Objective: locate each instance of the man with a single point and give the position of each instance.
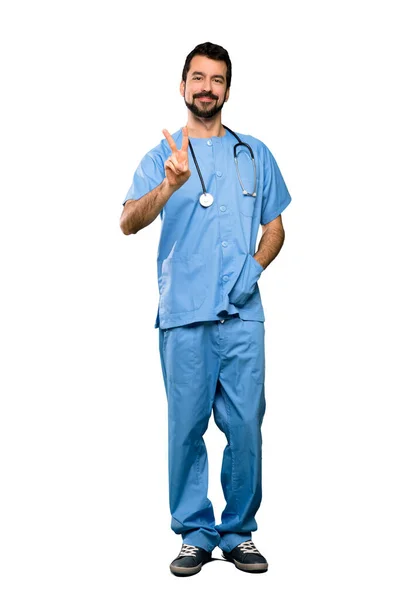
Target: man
(212, 192)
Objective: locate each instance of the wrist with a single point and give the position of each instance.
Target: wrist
(168, 188)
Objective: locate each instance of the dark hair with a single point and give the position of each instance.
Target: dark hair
(211, 51)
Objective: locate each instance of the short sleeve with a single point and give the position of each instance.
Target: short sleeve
(275, 193)
(148, 176)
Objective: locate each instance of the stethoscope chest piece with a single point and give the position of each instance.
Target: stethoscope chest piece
(206, 199)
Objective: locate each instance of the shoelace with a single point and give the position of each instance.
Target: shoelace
(187, 550)
(248, 548)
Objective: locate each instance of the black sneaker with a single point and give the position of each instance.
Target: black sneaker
(189, 560)
(246, 557)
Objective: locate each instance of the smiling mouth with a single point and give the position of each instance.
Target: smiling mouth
(205, 99)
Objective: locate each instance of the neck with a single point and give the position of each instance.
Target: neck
(205, 128)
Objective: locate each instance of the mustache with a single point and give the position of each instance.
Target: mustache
(205, 95)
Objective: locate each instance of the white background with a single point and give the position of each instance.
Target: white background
(87, 88)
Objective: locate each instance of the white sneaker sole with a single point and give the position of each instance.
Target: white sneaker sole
(253, 568)
(185, 570)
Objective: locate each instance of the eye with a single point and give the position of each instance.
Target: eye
(196, 77)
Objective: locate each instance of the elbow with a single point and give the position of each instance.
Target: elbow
(127, 221)
(124, 227)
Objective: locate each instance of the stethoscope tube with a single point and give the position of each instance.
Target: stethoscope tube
(240, 143)
(198, 168)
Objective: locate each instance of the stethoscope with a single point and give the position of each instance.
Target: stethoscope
(207, 199)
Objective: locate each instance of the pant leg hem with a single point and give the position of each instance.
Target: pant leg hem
(229, 541)
(197, 538)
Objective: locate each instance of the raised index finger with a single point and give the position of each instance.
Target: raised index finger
(185, 138)
(170, 140)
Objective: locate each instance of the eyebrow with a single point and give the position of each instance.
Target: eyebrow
(200, 73)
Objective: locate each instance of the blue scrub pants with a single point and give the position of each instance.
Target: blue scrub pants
(214, 366)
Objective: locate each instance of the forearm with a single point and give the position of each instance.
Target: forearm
(137, 214)
(270, 245)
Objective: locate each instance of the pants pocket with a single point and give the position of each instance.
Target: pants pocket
(179, 355)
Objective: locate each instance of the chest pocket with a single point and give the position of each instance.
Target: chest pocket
(246, 171)
(183, 283)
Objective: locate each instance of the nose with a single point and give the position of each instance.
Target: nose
(207, 83)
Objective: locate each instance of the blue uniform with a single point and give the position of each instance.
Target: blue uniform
(211, 328)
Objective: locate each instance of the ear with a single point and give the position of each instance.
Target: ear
(182, 88)
(227, 94)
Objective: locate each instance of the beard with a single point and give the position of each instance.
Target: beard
(203, 113)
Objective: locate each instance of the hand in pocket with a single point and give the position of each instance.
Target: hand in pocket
(245, 284)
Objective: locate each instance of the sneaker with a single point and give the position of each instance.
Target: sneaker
(189, 560)
(246, 557)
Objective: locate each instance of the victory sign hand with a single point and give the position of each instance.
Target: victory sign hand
(177, 165)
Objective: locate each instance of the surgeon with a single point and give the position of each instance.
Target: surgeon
(212, 188)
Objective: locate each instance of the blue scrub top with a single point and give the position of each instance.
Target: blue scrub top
(205, 264)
